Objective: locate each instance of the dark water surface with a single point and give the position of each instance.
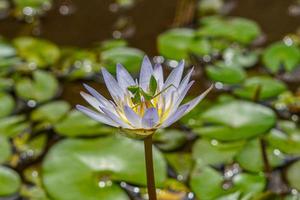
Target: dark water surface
(93, 21)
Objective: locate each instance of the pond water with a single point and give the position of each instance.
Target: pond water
(214, 137)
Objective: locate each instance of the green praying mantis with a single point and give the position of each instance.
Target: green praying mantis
(140, 96)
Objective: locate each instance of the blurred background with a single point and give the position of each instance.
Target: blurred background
(241, 143)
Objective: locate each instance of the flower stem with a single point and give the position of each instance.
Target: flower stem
(149, 168)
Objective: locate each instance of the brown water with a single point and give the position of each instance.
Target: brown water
(92, 21)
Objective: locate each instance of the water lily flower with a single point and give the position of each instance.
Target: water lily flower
(143, 105)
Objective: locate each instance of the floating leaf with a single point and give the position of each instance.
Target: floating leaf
(266, 86)
(170, 139)
(293, 175)
(7, 104)
(51, 112)
(213, 152)
(77, 63)
(131, 58)
(287, 139)
(235, 120)
(224, 73)
(111, 44)
(240, 57)
(36, 52)
(235, 29)
(11, 126)
(93, 161)
(280, 56)
(6, 50)
(206, 183)
(182, 164)
(5, 149)
(175, 43)
(43, 87)
(250, 158)
(78, 124)
(10, 181)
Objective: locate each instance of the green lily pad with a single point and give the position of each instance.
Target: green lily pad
(111, 44)
(287, 139)
(33, 193)
(175, 43)
(51, 112)
(43, 87)
(235, 29)
(6, 84)
(6, 50)
(224, 73)
(12, 126)
(236, 120)
(206, 183)
(78, 124)
(280, 56)
(213, 152)
(202, 47)
(293, 175)
(250, 157)
(93, 161)
(240, 57)
(31, 147)
(131, 58)
(5, 149)
(7, 104)
(182, 163)
(36, 52)
(169, 140)
(77, 63)
(10, 181)
(210, 6)
(268, 87)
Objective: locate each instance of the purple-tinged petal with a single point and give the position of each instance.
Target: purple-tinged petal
(99, 97)
(92, 101)
(124, 78)
(197, 100)
(175, 76)
(115, 118)
(97, 116)
(158, 75)
(146, 73)
(112, 85)
(174, 117)
(150, 118)
(185, 80)
(132, 117)
(180, 97)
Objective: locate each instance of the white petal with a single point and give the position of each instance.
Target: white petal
(197, 100)
(132, 117)
(124, 78)
(97, 116)
(175, 76)
(150, 118)
(115, 118)
(112, 85)
(146, 73)
(180, 97)
(176, 116)
(92, 101)
(99, 97)
(158, 74)
(185, 81)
